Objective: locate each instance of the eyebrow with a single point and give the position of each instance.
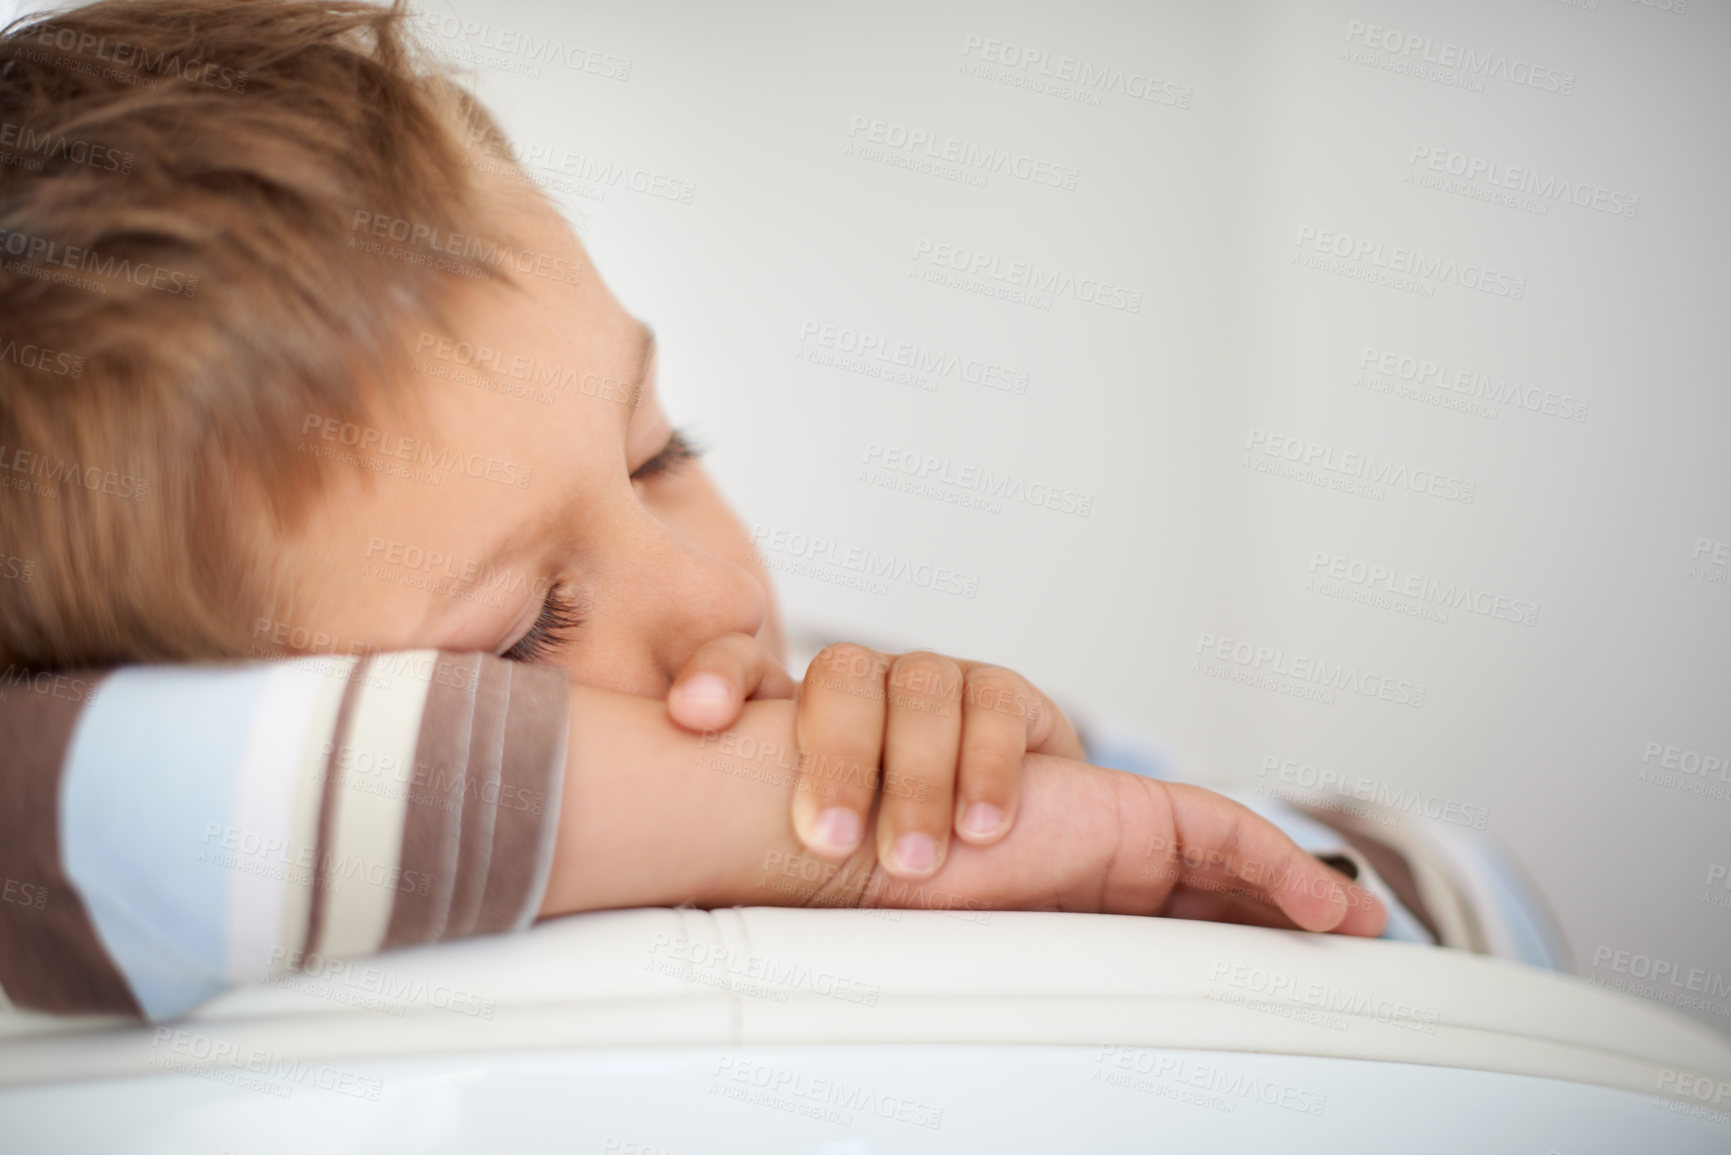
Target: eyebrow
(513, 545)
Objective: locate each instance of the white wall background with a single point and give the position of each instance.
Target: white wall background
(1152, 415)
(1269, 120)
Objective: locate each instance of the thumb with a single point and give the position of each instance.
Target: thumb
(718, 678)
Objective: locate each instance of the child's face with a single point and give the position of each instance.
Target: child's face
(401, 552)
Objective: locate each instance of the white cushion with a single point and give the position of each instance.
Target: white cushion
(780, 976)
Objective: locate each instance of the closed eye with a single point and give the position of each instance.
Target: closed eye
(676, 452)
(559, 619)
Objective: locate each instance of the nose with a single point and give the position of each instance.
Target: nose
(673, 595)
(706, 596)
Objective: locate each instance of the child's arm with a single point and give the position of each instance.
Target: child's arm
(168, 832)
(657, 816)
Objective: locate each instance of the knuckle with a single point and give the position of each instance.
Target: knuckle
(912, 787)
(990, 765)
(996, 676)
(849, 659)
(838, 774)
(836, 749)
(847, 668)
(926, 675)
(1001, 691)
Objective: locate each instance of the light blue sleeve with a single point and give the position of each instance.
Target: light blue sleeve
(152, 769)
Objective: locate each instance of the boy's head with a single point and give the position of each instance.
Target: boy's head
(292, 357)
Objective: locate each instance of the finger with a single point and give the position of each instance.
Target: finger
(1213, 905)
(921, 741)
(1366, 914)
(718, 679)
(1047, 728)
(840, 726)
(1216, 836)
(995, 734)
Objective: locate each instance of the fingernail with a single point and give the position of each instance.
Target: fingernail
(982, 819)
(838, 829)
(914, 853)
(704, 688)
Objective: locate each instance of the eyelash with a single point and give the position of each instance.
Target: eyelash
(559, 618)
(678, 450)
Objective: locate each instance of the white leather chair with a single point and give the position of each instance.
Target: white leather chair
(754, 1030)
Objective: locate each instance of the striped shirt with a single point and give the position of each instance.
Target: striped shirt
(167, 832)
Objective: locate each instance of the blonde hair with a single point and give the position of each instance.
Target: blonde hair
(180, 285)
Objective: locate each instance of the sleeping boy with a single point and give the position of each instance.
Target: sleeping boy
(380, 418)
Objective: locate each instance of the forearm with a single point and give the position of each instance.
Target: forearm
(655, 816)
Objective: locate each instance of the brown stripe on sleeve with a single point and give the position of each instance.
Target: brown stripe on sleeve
(432, 817)
(327, 803)
(50, 956)
(479, 796)
(531, 776)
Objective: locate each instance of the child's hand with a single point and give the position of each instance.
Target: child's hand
(1105, 841)
(949, 735)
